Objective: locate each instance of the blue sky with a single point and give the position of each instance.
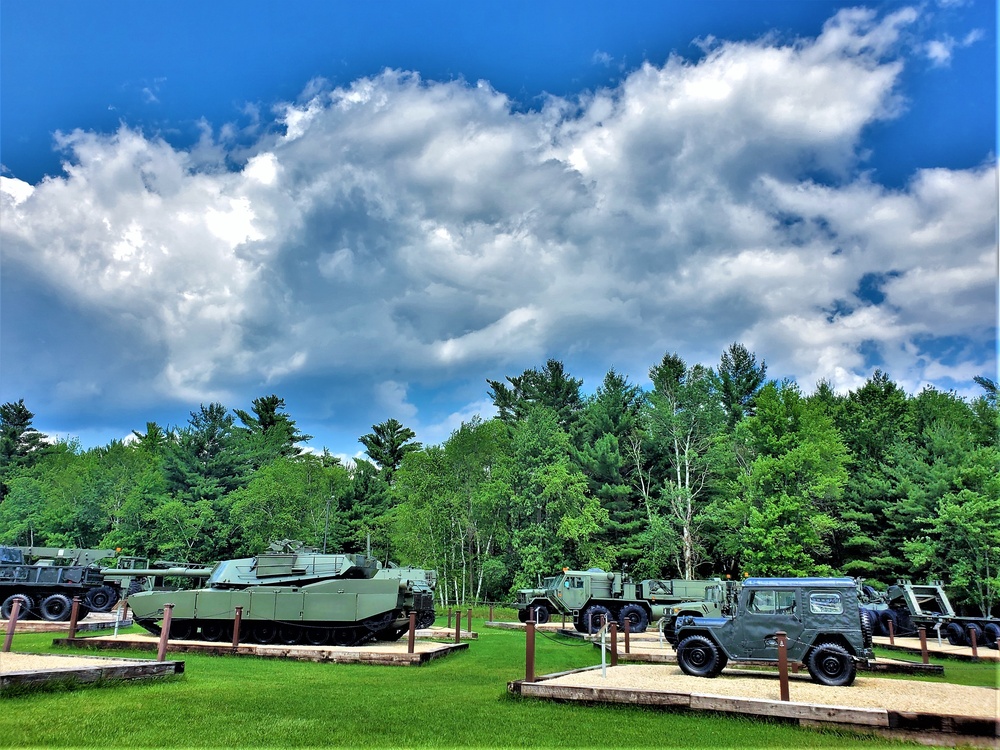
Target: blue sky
(371, 208)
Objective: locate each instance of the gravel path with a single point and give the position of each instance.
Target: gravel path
(866, 692)
(11, 662)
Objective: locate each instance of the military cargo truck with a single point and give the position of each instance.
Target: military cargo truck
(592, 596)
(820, 617)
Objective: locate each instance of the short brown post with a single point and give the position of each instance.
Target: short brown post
(168, 613)
(614, 644)
(469, 620)
(628, 622)
(15, 610)
(529, 651)
(564, 621)
(236, 625)
(449, 617)
(124, 610)
(74, 615)
(972, 640)
(458, 626)
(412, 638)
(923, 645)
(892, 633)
(491, 613)
(782, 664)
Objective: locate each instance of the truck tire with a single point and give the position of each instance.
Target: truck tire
(956, 635)
(636, 617)
(542, 614)
(887, 616)
(698, 656)
(523, 615)
(56, 608)
(876, 623)
(25, 610)
(591, 617)
(101, 599)
(991, 634)
(972, 627)
(831, 664)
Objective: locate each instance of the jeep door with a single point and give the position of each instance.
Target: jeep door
(765, 612)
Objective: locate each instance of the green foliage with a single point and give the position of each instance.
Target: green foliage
(707, 473)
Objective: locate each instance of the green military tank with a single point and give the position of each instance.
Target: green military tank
(296, 594)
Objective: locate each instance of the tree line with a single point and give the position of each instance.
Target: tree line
(713, 471)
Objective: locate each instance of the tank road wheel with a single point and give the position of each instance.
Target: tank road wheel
(101, 599)
(542, 614)
(425, 618)
(216, 630)
(181, 630)
(289, 634)
(316, 636)
(698, 656)
(25, 610)
(956, 636)
(637, 618)
(56, 607)
(830, 664)
(344, 637)
(263, 632)
(591, 617)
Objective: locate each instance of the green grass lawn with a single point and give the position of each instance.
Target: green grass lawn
(456, 701)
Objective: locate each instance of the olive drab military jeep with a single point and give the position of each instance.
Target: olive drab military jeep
(820, 617)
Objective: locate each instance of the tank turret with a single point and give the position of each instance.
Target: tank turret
(293, 593)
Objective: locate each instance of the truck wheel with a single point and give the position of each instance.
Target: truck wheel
(101, 599)
(972, 627)
(636, 616)
(698, 656)
(955, 634)
(23, 612)
(991, 634)
(885, 617)
(542, 614)
(523, 615)
(591, 617)
(830, 664)
(56, 607)
(876, 623)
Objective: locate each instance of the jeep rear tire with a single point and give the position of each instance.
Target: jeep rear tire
(698, 656)
(831, 664)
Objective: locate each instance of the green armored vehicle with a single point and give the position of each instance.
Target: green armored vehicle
(589, 596)
(46, 579)
(292, 594)
(820, 616)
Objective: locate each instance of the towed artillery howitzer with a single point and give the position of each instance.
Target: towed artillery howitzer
(293, 593)
(907, 606)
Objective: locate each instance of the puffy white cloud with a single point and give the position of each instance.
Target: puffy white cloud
(407, 231)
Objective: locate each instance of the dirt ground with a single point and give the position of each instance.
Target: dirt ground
(866, 692)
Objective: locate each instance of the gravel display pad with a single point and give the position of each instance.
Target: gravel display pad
(11, 662)
(867, 692)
